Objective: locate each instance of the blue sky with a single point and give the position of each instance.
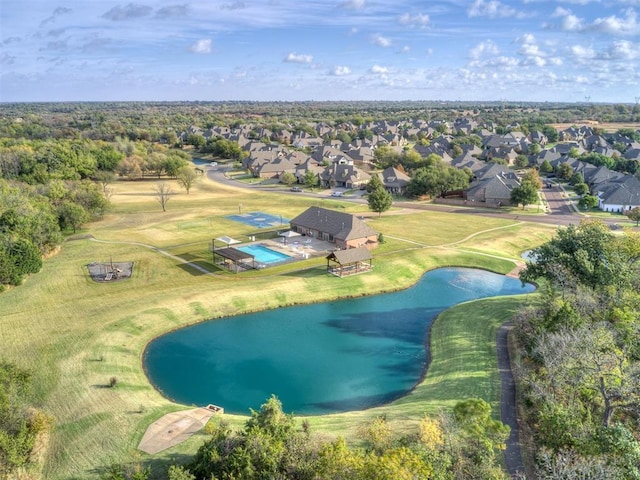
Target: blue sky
(290, 50)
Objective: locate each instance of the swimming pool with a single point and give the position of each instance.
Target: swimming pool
(264, 254)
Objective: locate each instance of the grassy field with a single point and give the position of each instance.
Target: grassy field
(75, 334)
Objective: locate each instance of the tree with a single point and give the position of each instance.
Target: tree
(288, 179)
(533, 178)
(71, 215)
(574, 152)
(634, 215)
(576, 178)
(534, 149)
(524, 195)
(19, 423)
(521, 161)
(163, 195)
(588, 358)
(588, 201)
(581, 188)
(105, 178)
(310, 179)
(379, 201)
(564, 171)
(436, 179)
(18, 257)
(546, 167)
(374, 184)
(588, 253)
(187, 177)
(482, 437)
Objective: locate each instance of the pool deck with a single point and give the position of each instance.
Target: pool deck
(299, 247)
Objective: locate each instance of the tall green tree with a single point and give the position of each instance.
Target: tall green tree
(379, 201)
(525, 194)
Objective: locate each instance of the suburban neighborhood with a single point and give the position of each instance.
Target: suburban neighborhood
(492, 161)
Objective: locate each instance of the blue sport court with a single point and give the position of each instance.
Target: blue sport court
(259, 219)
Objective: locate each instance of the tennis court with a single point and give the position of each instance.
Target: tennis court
(259, 219)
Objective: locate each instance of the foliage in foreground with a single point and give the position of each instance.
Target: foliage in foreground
(581, 355)
(19, 424)
(272, 445)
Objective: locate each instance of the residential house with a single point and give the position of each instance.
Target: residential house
(492, 189)
(394, 181)
(342, 229)
(619, 195)
(344, 175)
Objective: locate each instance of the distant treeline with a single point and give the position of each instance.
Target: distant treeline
(163, 121)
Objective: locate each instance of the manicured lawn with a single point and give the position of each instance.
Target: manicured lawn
(75, 334)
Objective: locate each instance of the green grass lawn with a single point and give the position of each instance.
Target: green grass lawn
(74, 334)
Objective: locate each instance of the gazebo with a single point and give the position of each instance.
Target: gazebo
(234, 259)
(230, 257)
(350, 261)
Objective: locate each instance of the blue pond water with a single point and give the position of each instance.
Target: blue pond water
(319, 358)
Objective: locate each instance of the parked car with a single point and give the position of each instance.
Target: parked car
(296, 189)
(336, 194)
(214, 164)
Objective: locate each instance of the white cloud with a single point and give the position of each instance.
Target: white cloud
(201, 46)
(405, 49)
(501, 62)
(378, 70)
(298, 58)
(491, 9)
(6, 59)
(418, 20)
(622, 50)
(582, 53)
(354, 4)
(526, 38)
(484, 48)
(233, 6)
(127, 12)
(611, 25)
(616, 25)
(172, 11)
(569, 22)
(379, 40)
(340, 71)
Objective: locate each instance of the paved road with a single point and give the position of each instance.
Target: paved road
(561, 212)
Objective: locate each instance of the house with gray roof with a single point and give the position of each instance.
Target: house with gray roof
(492, 189)
(342, 229)
(394, 181)
(344, 175)
(619, 195)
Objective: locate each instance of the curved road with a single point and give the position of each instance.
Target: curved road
(561, 211)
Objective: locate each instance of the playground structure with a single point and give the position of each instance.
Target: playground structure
(110, 271)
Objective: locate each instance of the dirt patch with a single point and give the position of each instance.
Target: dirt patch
(110, 271)
(174, 428)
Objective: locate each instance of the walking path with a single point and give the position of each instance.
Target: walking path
(508, 411)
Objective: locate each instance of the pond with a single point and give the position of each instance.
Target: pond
(319, 358)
